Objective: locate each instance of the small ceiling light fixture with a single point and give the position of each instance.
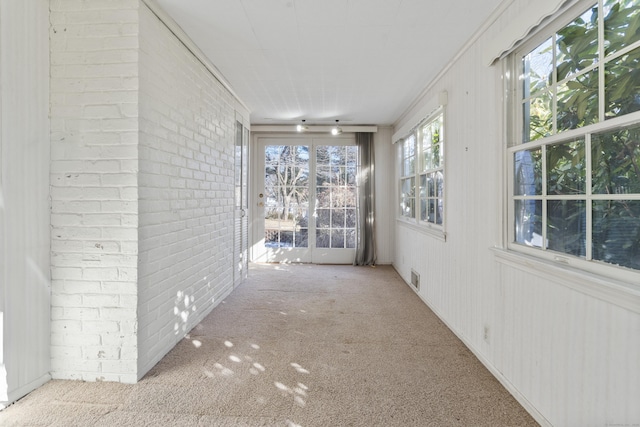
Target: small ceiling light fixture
(337, 130)
(302, 127)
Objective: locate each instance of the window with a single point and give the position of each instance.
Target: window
(408, 179)
(422, 173)
(575, 146)
(432, 172)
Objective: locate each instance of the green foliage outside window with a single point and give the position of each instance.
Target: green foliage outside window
(574, 74)
(570, 81)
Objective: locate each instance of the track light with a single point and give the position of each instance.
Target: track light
(302, 127)
(337, 130)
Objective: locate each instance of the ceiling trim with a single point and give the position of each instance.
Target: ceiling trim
(177, 31)
(311, 128)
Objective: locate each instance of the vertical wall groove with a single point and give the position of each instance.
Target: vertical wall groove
(24, 190)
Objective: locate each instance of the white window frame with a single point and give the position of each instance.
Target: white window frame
(420, 169)
(626, 279)
(408, 154)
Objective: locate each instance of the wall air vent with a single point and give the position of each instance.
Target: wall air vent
(415, 279)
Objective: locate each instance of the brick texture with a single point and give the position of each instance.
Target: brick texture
(94, 163)
(186, 197)
(142, 147)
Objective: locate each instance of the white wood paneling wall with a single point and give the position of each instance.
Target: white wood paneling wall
(385, 190)
(570, 358)
(24, 198)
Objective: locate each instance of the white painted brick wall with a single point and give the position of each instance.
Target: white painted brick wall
(94, 163)
(142, 144)
(187, 122)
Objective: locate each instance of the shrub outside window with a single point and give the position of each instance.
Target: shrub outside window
(575, 187)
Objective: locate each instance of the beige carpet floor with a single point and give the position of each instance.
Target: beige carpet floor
(297, 345)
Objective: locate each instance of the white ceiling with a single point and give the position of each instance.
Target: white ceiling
(359, 61)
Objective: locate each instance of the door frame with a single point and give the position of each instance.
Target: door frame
(258, 253)
(241, 198)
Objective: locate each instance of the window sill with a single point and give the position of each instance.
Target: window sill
(620, 293)
(427, 230)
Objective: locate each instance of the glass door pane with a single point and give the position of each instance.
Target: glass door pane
(286, 213)
(336, 196)
(306, 200)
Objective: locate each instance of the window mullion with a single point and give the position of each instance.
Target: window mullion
(544, 198)
(589, 207)
(601, 65)
(418, 169)
(622, 52)
(554, 87)
(313, 190)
